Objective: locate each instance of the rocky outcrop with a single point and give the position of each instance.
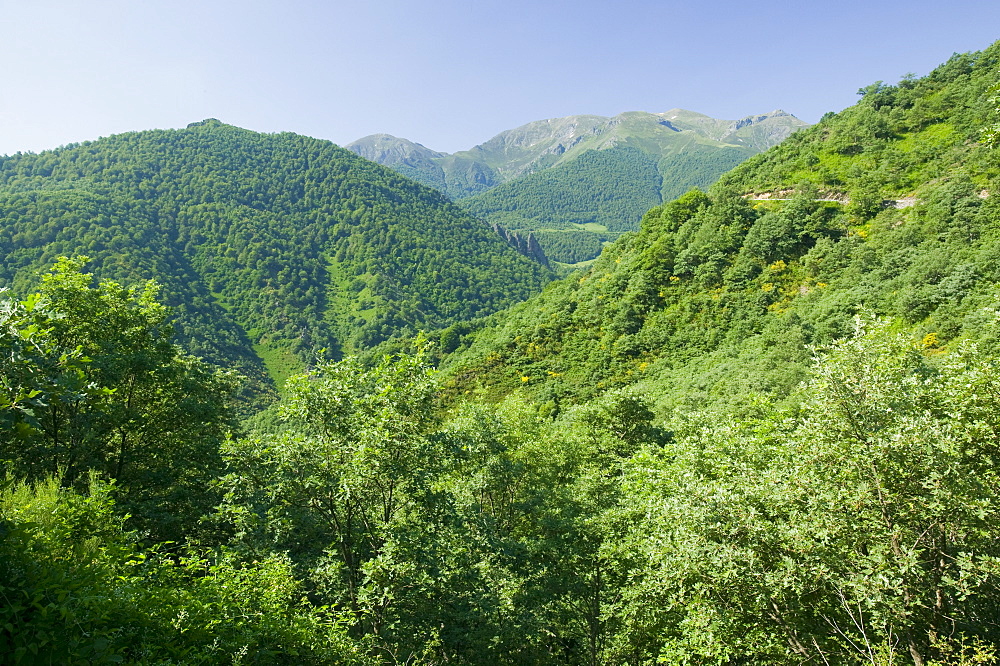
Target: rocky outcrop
(526, 245)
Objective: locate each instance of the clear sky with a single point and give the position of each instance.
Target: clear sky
(449, 73)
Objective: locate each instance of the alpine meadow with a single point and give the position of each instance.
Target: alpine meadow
(266, 400)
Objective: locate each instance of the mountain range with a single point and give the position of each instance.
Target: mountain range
(544, 144)
(575, 183)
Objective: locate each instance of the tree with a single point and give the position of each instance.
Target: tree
(860, 529)
(904, 453)
(77, 588)
(34, 373)
(354, 459)
(110, 393)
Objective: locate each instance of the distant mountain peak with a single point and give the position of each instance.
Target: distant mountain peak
(388, 149)
(550, 142)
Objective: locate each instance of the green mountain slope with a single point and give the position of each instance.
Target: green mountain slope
(716, 298)
(612, 188)
(571, 208)
(281, 243)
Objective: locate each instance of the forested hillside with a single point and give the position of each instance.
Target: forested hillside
(573, 208)
(276, 243)
(611, 187)
(763, 429)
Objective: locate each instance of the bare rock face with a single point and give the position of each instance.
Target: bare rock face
(526, 245)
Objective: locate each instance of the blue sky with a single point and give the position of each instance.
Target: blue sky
(448, 74)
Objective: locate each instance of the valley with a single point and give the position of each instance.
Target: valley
(577, 183)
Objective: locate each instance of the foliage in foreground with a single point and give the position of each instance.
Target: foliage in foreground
(77, 589)
(858, 527)
(364, 522)
(90, 380)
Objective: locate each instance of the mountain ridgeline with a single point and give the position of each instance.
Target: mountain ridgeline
(579, 181)
(544, 144)
(267, 247)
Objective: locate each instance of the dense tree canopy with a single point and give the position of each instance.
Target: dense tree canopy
(270, 246)
(609, 188)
